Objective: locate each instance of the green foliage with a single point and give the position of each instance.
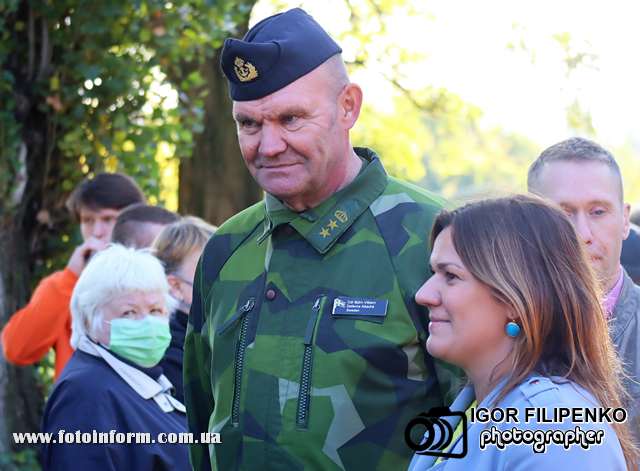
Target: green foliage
(24, 460)
(115, 81)
(107, 88)
(447, 151)
(10, 165)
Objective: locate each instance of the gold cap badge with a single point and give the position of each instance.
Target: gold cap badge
(245, 70)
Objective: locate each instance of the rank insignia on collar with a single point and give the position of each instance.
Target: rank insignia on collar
(245, 70)
(324, 232)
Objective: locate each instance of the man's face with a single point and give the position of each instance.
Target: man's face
(589, 193)
(289, 140)
(97, 223)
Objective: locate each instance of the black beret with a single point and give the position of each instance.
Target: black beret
(275, 52)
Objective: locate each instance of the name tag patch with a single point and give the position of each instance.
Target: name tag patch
(357, 307)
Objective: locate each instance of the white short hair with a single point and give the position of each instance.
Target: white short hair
(112, 272)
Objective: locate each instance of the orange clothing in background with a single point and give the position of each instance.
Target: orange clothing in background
(42, 324)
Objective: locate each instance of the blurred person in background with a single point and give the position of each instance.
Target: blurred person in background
(113, 382)
(45, 322)
(635, 217)
(179, 247)
(584, 179)
(138, 225)
(630, 257)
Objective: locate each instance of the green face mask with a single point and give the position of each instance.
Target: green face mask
(142, 341)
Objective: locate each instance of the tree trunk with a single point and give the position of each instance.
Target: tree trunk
(30, 195)
(21, 396)
(214, 182)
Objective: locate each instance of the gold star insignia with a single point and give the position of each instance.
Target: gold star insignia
(324, 232)
(332, 224)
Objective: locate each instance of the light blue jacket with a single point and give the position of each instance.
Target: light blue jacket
(535, 392)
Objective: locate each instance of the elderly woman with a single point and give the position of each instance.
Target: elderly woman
(178, 247)
(514, 303)
(112, 387)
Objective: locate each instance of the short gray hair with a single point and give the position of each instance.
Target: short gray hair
(112, 272)
(575, 149)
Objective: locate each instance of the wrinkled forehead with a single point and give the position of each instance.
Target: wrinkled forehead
(307, 93)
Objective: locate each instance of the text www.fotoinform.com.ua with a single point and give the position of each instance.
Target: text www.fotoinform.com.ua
(114, 437)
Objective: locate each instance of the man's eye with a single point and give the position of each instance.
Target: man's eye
(598, 212)
(128, 313)
(289, 119)
(247, 123)
(157, 312)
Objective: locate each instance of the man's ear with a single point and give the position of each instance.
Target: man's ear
(349, 103)
(626, 211)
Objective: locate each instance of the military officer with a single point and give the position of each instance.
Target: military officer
(305, 348)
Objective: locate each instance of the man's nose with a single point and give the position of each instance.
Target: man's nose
(271, 142)
(583, 228)
(100, 229)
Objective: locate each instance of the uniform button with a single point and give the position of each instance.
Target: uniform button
(270, 294)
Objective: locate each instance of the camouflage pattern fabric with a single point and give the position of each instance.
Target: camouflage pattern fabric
(288, 384)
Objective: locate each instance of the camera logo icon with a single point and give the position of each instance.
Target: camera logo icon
(437, 432)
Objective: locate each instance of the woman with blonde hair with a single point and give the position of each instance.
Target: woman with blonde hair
(513, 301)
(178, 247)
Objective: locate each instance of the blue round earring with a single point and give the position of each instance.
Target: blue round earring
(512, 329)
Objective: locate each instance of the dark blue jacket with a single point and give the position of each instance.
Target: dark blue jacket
(90, 395)
(172, 362)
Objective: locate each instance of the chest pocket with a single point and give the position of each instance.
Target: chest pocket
(240, 319)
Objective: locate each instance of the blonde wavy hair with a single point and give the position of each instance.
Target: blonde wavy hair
(176, 241)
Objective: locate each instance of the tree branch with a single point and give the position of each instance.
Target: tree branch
(32, 45)
(46, 50)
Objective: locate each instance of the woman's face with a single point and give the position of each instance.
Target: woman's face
(131, 305)
(466, 323)
(181, 282)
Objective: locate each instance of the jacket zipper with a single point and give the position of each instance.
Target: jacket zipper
(304, 393)
(241, 347)
(246, 307)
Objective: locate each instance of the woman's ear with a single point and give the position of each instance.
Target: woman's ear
(174, 287)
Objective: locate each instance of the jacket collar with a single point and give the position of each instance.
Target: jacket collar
(323, 225)
(144, 385)
(625, 309)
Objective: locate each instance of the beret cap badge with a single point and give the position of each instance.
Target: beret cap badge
(245, 70)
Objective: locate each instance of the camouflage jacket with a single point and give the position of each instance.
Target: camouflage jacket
(274, 361)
